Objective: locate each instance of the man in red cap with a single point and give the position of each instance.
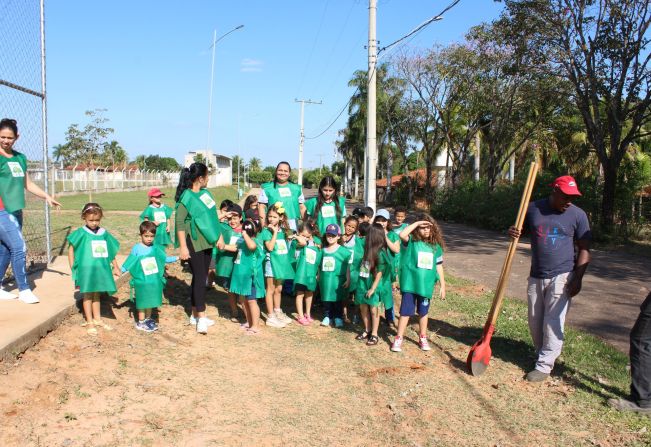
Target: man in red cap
(556, 227)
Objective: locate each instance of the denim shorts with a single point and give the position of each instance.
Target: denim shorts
(252, 296)
(268, 271)
(411, 303)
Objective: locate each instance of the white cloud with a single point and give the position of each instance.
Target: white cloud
(251, 65)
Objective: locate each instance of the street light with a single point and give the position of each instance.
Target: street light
(212, 76)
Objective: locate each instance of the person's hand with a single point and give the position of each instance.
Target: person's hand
(346, 284)
(424, 223)
(157, 223)
(220, 244)
(514, 232)
(442, 292)
(184, 254)
(573, 286)
(370, 292)
(274, 228)
(301, 239)
(117, 272)
(53, 203)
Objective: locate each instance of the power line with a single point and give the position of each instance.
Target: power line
(316, 38)
(413, 32)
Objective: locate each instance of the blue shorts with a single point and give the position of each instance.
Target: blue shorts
(252, 297)
(412, 302)
(268, 271)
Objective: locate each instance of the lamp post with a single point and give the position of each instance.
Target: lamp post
(215, 39)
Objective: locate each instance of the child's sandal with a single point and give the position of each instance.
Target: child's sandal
(91, 331)
(372, 340)
(362, 336)
(103, 325)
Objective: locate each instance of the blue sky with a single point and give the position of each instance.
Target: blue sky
(148, 63)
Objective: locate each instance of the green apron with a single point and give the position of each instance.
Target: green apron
(12, 181)
(202, 210)
(224, 259)
(332, 274)
(281, 260)
(418, 273)
(247, 270)
(307, 266)
(92, 270)
(355, 263)
(147, 277)
(327, 214)
(159, 215)
(287, 194)
(366, 279)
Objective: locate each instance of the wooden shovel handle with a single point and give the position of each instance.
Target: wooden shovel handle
(506, 267)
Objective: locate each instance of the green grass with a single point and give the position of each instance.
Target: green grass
(135, 200)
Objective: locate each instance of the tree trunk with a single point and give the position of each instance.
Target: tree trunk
(608, 199)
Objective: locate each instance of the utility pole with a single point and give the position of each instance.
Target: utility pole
(371, 137)
(302, 141)
(320, 162)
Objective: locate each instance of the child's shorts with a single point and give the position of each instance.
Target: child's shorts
(412, 302)
(268, 271)
(300, 287)
(224, 282)
(252, 297)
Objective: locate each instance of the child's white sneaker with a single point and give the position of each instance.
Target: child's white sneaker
(193, 321)
(423, 343)
(4, 295)
(27, 297)
(202, 325)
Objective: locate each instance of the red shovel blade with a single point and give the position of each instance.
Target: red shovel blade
(480, 354)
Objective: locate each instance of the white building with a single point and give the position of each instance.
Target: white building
(221, 167)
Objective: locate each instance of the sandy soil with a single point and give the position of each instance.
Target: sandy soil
(292, 386)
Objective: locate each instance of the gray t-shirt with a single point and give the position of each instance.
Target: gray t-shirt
(552, 237)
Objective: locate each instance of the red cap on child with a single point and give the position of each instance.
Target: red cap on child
(155, 192)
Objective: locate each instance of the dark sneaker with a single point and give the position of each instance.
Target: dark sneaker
(536, 376)
(151, 324)
(627, 405)
(142, 326)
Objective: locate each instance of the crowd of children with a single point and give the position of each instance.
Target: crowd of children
(352, 265)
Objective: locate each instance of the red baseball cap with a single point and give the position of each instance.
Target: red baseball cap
(567, 185)
(155, 192)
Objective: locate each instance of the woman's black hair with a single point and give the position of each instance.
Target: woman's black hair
(389, 224)
(277, 166)
(250, 227)
(8, 123)
(330, 181)
(226, 203)
(374, 243)
(188, 177)
(249, 200)
(362, 230)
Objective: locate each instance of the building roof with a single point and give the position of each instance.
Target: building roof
(418, 175)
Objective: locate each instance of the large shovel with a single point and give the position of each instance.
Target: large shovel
(480, 354)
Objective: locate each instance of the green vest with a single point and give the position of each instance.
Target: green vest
(418, 273)
(160, 216)
(281, 259)
(202, 210)
(356, 262)
(332, 274)
(307, 266)
(366, 279)
(92, 269)
(147, 277)
(327, 214)
(247, 270)
(224, 259)
(12, 181)
(287, 194)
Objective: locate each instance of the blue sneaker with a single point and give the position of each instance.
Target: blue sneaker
(339, 322)
(325, 321)
(151, 324)
(142, 326)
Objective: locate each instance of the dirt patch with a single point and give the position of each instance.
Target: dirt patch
(294, 386)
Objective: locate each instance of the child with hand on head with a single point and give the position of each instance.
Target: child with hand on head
(328, 207)
(307, 250)
(146, 264)
(231, 234)
(375, 269)
(334, 276)
(247, 277)
(161, 215)
(421, 268)
(278, 267)
(383, 218)
(92, 260)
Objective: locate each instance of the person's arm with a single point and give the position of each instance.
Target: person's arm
(404, 234)
(116, 268)
(249, 241)
(71, 255)
(439, 270)
(376, 282)
(181, 213)
(393, 246)
(580, 266)
(300, 240)
(302, 209)
(38, 192)
(220, 243)
(262, 213)
(347, 283)
(169, 225)
(270, 244)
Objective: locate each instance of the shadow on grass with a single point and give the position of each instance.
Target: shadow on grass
(520, 354)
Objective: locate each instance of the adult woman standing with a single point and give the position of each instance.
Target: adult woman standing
(282, 190)
(14, 180)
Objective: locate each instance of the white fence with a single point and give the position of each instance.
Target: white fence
(101, 179)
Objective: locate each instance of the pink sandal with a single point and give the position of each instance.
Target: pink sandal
(303, 321)
(252, 331)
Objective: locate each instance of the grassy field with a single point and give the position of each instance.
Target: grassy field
(309, 385)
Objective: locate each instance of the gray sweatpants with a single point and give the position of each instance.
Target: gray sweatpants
(548, 304)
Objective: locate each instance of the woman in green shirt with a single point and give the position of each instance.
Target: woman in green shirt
(197, 232)
(281, 189)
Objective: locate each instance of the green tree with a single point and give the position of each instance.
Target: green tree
(114, 154)
(255, 164)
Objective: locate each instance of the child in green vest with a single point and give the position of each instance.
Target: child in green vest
(146, 264)
(247, 278)
(92, 260)
(375, 267)
(161, 215)
(278, 266)
(224, 225)
(351, 241)
(328, 207)
(308, 256)
(399, 215)
(334, 277)
(383, 218)
(231, 234)
(421, 268)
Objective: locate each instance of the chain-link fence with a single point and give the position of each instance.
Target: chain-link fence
(76, 179)
(22, 97)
